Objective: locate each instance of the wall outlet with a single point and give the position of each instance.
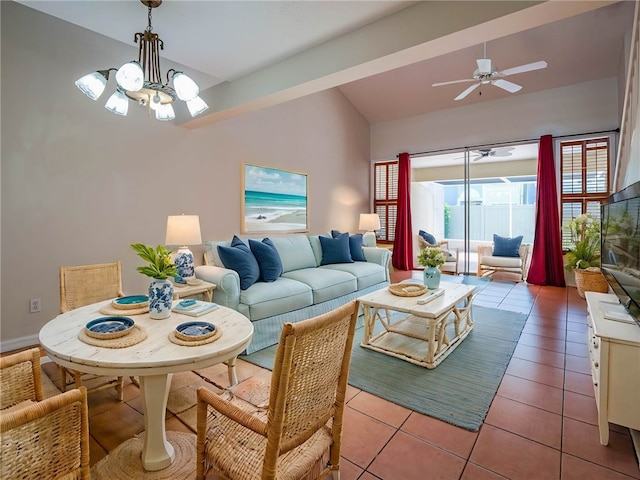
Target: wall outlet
(34, 305)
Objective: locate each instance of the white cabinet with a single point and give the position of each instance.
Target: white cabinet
(614, 351)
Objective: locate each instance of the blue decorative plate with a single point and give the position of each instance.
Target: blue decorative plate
(195, 330)
(131, 302)
(109, 327)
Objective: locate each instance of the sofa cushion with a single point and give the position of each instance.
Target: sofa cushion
(238, 257)
(430, 239)
(367, 274)
(506, 247)
(326, 284)
(275, 298)
(211, 252)
(314, 240)
(355, 246)
(335, 250)
(295, 252)
(268, 259)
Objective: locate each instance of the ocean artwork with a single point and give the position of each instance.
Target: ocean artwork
(273, 200)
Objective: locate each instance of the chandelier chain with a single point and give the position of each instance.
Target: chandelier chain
(149, 27)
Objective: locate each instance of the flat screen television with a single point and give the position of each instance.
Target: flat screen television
(620, 247)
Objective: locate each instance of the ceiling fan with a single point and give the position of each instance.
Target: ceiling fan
(492, 152)
(486, 73)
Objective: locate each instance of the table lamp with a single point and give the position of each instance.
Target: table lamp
(183, 230)
(369, 222)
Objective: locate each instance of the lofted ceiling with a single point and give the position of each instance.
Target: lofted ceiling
(383, 55)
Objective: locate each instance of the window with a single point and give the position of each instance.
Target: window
(584, 166)
(385, 198)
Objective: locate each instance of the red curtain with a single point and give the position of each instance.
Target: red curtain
(546, 260)
(402, 258)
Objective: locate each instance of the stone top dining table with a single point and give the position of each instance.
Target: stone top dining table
(154, 357)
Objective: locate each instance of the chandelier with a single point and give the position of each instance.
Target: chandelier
(141, 80)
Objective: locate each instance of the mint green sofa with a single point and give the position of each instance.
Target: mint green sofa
(305, 289)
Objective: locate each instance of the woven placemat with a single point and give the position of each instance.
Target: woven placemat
(123, 463)
(137, 335)
(195, 343)
(110, 310)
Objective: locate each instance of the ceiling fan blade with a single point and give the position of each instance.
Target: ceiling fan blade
(502, 151)
(467, 91)
(505, 85)
(524, 68)
(453, 81)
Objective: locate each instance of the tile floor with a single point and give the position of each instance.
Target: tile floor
(541, 425)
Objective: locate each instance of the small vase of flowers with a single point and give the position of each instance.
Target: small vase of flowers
(431, 258)
(161, 269)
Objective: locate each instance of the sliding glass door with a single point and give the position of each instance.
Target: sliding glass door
(466, 197)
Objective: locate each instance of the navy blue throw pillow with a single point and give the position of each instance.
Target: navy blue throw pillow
(430, 239)
(335, 250)
(506, 247)
(268, 259)
(355, 246)
(238, 257)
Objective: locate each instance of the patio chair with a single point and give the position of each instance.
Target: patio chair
(20, 379)
(299, 436)
(451, 265)
(83, 285)
(504, 255)
(48, 439)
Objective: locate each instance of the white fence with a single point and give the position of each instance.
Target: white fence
(484, 221)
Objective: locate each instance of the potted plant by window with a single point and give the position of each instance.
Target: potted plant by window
(431, 258)
(584, 257)
(161, 269)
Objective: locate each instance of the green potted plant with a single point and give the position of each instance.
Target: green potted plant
(431, 258)
(161, 269)
(583, 257)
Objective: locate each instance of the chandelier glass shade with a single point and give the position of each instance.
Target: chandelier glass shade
(141, 80)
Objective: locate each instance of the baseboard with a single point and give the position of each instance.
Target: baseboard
(19, 343)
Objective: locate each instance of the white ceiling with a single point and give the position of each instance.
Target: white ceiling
(224, 43)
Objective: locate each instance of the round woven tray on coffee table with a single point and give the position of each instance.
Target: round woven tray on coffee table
(407, 289)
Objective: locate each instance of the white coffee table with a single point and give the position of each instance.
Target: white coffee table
(420, 336)
(154, 360)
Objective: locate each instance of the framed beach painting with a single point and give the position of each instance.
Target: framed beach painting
(273, 200)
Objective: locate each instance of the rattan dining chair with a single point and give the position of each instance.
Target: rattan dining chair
(300, 434)
(20, 379)
(47, 439)
(83, 285)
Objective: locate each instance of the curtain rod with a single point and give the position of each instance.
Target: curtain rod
(617, 130)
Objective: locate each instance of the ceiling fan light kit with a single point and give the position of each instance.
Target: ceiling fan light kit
(141, 80)
(487, 73)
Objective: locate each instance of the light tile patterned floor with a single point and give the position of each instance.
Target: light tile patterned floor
(541, 425)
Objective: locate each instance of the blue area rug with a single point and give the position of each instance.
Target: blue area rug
(459, 391)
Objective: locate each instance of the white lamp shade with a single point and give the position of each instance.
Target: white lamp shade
(369, 222)
(165, 112)
(196, 106)
(92, 85)
(186, 89)
(130, 77)
(183, 230)
(118, 103)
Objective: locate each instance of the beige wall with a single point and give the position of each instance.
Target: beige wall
(80, 184)
(575, 109)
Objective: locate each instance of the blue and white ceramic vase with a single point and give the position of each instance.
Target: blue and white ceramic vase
(432, 278)
(160, 298)
(183, 259)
